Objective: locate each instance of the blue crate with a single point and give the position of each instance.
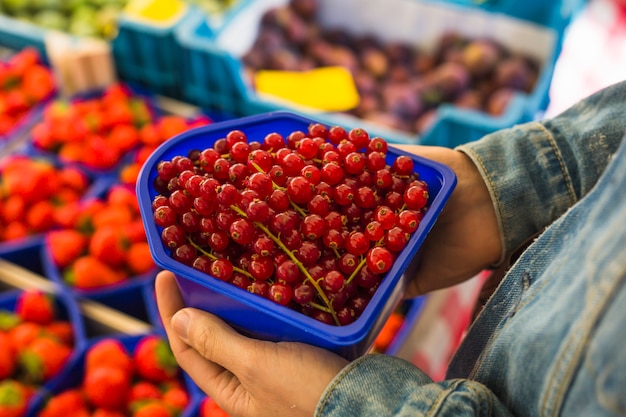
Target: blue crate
(66, 309)
(16, 35)
(73, 375)
(258, 316)
(148, 55)
(213, 73)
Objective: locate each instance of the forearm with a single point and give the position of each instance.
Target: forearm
(536, 171)
(380, 385)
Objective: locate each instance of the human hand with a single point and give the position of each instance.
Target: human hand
(466, 237)
(246, 377)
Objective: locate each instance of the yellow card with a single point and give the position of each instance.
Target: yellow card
(326, 89)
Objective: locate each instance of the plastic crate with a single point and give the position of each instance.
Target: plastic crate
(73, 375)
(214, 74)
(16, 35)
(147, 54)
(256, 315)
(67, 309)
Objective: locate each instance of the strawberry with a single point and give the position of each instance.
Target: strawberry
(14, 397)
(65, 246)
(89, 272)
(170, 126)
(209, 408)
(40, 216)
(74, 178)
(114, 215)
(124, 137)
(177, 398)
(142, 391)
(7, 357)
(139, 259)
(153, 409)
(154, 359)
(109, 245)
(35, 306)
(23, 334)
(43, 359)
(68, 403)
(38, 83)
(61, 330)
(15, 230)
(123, 196)
(107, 387)
(109, 352)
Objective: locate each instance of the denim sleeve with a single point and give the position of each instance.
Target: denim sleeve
(380, 385)
(537, 171)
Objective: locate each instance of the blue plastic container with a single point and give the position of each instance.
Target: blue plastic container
(213, 73)
(66, 309)
(74, 374)
(260, 317)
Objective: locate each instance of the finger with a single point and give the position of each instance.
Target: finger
(214, 340)
(206, 374)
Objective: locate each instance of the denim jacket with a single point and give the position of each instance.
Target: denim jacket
(551, 340)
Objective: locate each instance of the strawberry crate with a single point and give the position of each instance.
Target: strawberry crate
(57, 334)
(135, 363)
(215, 76)
(38, 196)
(103, 255)
(258, 316)
(27, 85)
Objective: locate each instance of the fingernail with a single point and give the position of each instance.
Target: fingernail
(180, 324)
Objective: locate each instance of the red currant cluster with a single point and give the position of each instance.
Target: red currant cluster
(312, 220)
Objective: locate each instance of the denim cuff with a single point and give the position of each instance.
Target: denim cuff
(380, 385)
(528, 181)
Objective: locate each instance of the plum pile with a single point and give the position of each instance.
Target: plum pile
(400, 85)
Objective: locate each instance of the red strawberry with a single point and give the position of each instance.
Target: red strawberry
(177, 398)
(209, 408)
(65, 246)
(68, 403)
(154, 359)
(109, 244)
(21, 335)
(88, 272)
(14, 398)
(44, 358)
(35, 306)
(107, 387)
(109, 352)
(143, 390)
(62, 330)
(153, 409)
(7, 357)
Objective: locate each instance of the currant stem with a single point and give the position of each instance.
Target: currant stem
(294, 259)
(356, 270)
(321, 308)
(213, 258)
